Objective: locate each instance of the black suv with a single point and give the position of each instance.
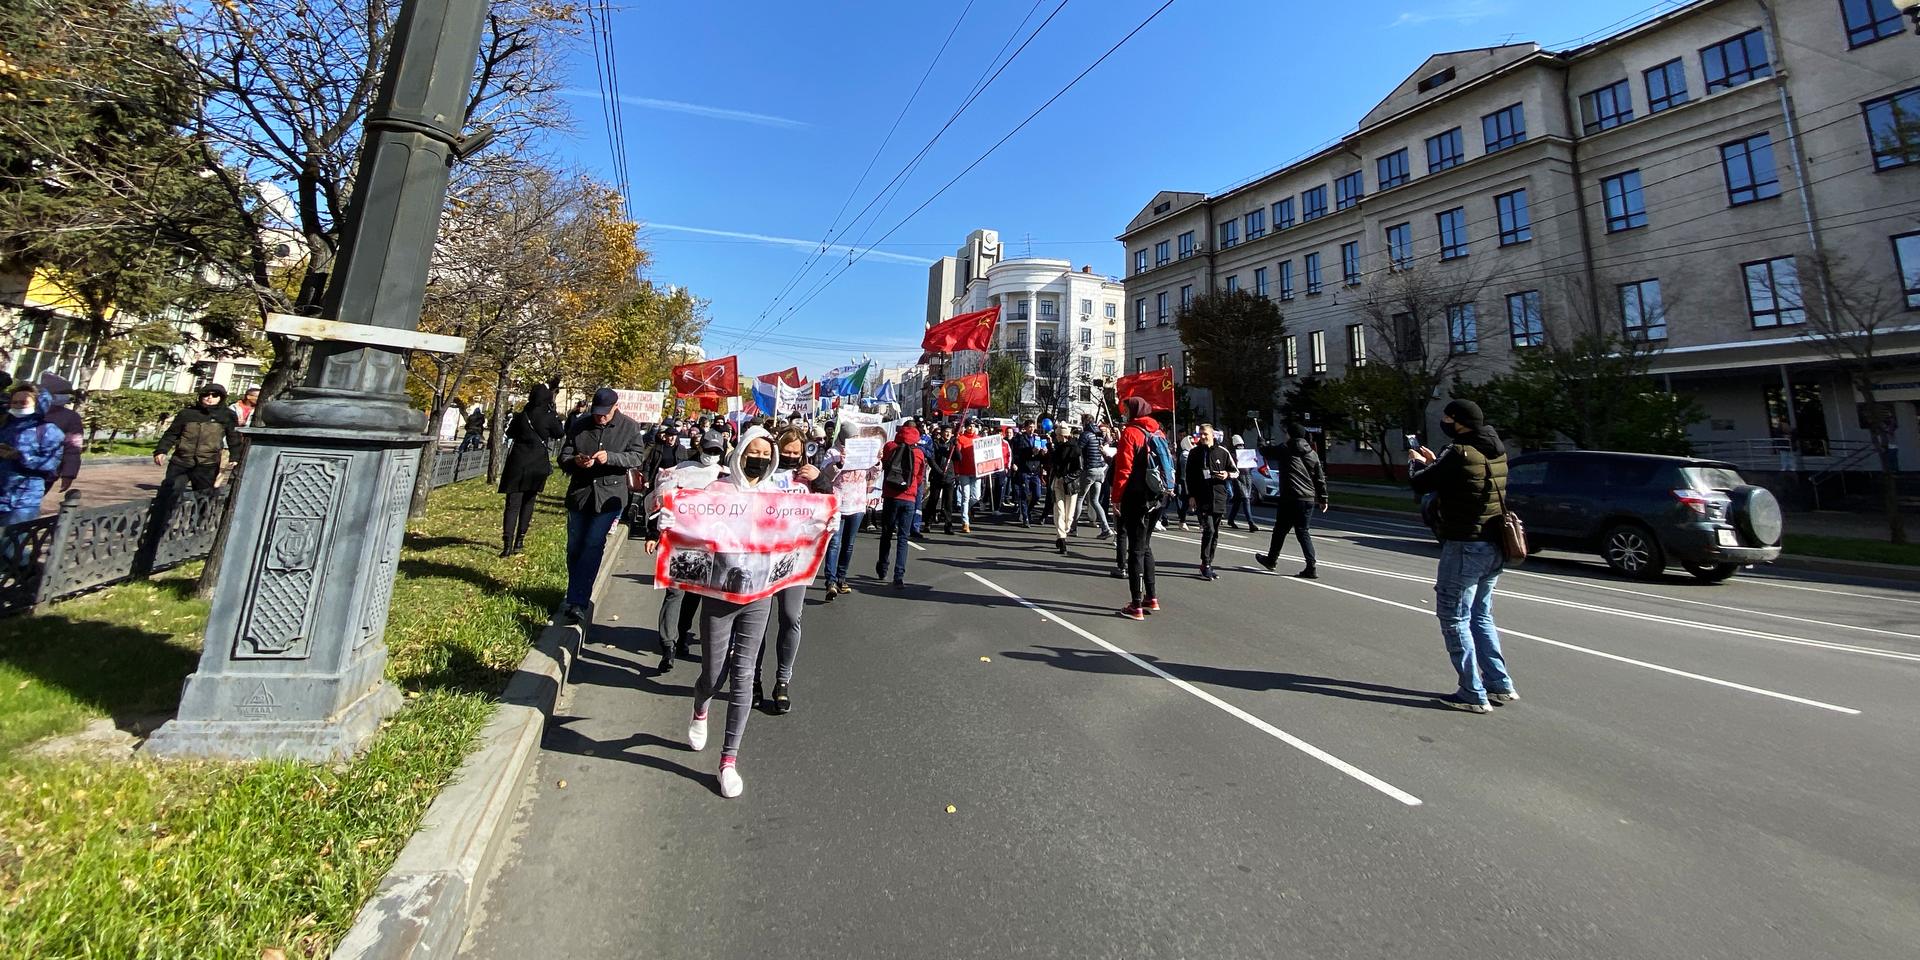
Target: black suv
(1638, 511)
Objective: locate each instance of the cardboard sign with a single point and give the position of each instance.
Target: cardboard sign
(741, 545)
(989, 455)
(861, 437)
(643, 406)
(1246, 458)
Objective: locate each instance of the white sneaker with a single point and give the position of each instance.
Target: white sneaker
(697, 734)
(730, 783)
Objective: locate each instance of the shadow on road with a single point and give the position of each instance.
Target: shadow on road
(1100, 661)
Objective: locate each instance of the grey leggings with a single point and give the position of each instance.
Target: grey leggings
(730, 636)
(789, 604)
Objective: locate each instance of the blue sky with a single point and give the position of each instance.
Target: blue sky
(746, 131)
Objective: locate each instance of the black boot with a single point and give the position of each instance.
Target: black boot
(1060, 544)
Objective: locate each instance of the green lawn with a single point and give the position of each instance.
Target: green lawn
(144, 859)
(122, 448)
(1850, 548)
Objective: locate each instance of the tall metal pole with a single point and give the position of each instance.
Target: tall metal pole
(294, 658)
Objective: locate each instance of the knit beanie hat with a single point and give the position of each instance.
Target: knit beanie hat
(1467, 414)
(1137, 407)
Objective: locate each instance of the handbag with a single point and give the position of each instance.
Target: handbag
(1513, 532)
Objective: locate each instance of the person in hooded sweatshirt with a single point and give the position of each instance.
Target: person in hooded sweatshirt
(525, 473)
(1303, 487)
(733, 632)
(1469, 482)
(30, 450)
(678, 608)
(56, 399)
(903, 468)
(788, 605)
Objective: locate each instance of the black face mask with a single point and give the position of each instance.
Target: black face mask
(756, 467)
(789, 463)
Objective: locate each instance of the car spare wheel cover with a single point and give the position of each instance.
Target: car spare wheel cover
(1757, 514)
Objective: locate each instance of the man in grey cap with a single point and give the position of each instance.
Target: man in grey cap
(599, 450)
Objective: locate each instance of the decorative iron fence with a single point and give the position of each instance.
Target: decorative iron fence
(81, 548)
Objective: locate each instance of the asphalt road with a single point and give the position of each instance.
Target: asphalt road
(1257, 771)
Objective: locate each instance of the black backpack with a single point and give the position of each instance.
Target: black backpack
(900, 466)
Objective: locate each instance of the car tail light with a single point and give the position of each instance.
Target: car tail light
(1706, 503)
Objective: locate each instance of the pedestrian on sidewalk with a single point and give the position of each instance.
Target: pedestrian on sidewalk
(30, 450)
(678, 608)
(904, 469)
(192, 443)
(528, 466)
(733, 632)
(1242, 490)
(1093, 477)
(1303, 488)
(56, 404)
(1210, 477)
(1469, 482)
(1143, 476)
(1064, 466)
(598, 452)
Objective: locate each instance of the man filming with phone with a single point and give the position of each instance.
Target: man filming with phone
(600, 448)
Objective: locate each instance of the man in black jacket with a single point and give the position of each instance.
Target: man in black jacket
(1210, 473)
(1469, 482)
(599, 450)
(195, 438)
(1303, 487)
(1066, 468)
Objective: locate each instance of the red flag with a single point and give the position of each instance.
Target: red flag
(790, 376)
(707, 377)
(964, 393)
(1156, 386)
(711, 403)
(968, 331)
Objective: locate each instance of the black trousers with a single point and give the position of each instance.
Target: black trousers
(1209, 536)
(517, 517)
(1137, 524)
(180, 476)
(678, 609)
(1293, 516)
(939, 498)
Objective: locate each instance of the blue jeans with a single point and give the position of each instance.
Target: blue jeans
(919, 501)
(1031, 492)
(896, 524)
(966, 490)
(1463, 597)
(586, 544)
(840, 547)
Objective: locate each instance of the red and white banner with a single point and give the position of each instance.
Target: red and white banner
(981, 456)
(740, 545)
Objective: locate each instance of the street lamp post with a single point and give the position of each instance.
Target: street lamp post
(294, 657)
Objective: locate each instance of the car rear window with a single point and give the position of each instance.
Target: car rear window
(1712, 478)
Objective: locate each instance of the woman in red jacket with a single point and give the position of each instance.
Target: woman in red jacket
(1139, 506)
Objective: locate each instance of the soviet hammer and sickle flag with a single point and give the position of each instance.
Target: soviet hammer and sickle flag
(1155, 386)
(968, 331)
(970, 392)
(707, 378)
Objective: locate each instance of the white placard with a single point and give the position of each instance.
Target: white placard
(644, 406)
(1246, 458)
(861, 452)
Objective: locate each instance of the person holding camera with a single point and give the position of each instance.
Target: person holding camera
(599, 450)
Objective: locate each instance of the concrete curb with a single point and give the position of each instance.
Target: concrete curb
(423, 904)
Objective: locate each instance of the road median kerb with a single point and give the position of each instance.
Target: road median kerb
(423, 904)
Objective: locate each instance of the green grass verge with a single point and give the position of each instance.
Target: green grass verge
(1851, 548)
(122, 448)
(137, 859)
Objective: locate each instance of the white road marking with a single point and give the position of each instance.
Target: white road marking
(1504, 632)
(1776, 582)
(1716, 606)
(916, 546)
(1248, 718)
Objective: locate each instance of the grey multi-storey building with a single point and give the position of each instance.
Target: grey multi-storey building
(1677, 182)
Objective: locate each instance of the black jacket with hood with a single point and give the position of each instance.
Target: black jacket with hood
(1302, 477)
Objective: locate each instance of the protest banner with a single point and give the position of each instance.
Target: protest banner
(860, 438)
(740, 545)
(989, 455)
(643, 406)
(1246, 458)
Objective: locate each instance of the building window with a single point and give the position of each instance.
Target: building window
(1773, 293)
(1140, 313)
(1641, 315)
(1317, 350)
(1085, 365)
(1186, 245)
(1350, 263)
(1283, 214)
(1140, 260)
(1229, 233)
(1110, 310)
(1021, 308)
(1046, 309)
(1606, 108)
(1256, 224)
(1356, 346)
(1524, 323)
(1160, 362)
(1313, 273)
(1750, 172)
(1046, 339)
(1515, 224)
(1392, 169)
(1869, 20)
(1086, 308)
(1505, 128)
(1893, 129)
(1186, 295)
(1186, 365)
(1348, 190)
(1160, 301)
(1730, 63)
(1453, 233)
(1109, 340)
(1286, 279)
(1906, 258)
(1260, 281)
(1445, 150)
(1626, 204)
(1410, 341)
(1106, 369)
(1400, 245)
(1292, 356)
(1086, 338)
(1233, 283)
(1139, 364)
(1161, 253)
(1666, 86)
(1313, 204)
(1463, 329)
